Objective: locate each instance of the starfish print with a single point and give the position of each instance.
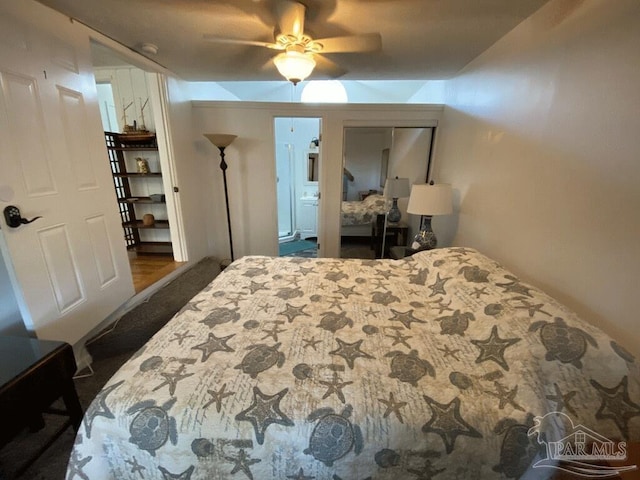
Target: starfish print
(300, 476)
(235, 300)
(305, 270)
(399, 338)
(136, 467)
(514, 286)
(191, 306)
(217, 397)
(345, 292)
(98, 407)
(292, 312)
(460, 259)
(441, 306)
(266, 307)
(214, 344)
(480, 291)
(438, 287)
(532, 308)
(392, 407)
(242, 462)
(447, 422)
(264, 411)
(335, 386)
(334, 302)
(427, 472)
(76, 464)
(616, 404)
(380, 283)
(562, 401)
(273, 333)
(449, 353)
(311, 342)
(406, 318)
(172, 379)
(371, 312)
(179, 337)
(167, 475)
(256, 286)
(350, 351)
(505, 396)
(493, 348)
(386, 274)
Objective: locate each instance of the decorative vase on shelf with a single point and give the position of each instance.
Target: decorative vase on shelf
(143, 165)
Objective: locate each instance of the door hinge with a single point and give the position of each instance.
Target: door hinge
(176, 189)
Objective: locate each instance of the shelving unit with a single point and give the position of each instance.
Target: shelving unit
(134, 191)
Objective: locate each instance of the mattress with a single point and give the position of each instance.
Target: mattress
(365, 211)
(440, 365)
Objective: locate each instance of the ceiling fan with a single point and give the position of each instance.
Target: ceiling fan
(301, 53)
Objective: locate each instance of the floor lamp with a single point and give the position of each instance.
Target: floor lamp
(222, 141)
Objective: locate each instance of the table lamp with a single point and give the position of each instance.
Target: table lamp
(395, 188)
(428, 200)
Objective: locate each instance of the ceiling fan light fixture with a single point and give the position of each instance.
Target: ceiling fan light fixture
(294, 66)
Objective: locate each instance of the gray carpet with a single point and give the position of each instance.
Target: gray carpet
(109, 352)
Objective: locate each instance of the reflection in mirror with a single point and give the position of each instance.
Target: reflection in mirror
(370, 156)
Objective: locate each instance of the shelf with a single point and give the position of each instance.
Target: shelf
(139, 175)
(154, 248)
(138, 224)
(138, 200)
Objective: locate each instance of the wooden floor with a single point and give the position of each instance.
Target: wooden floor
(148, 269)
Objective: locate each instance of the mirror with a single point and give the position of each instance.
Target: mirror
(313, 165)
(371, 155)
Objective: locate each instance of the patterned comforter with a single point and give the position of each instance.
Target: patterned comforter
(364, 212)
(441, 365)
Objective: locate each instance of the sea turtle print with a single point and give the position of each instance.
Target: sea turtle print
(564, 343)
(455, 324)
(409, 367)
(333, 436)
(517, 450)
(260, 358)
(333, 322)
(152, 426)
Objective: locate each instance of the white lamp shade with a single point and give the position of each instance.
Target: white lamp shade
(220, 140)
(396, 187)
(294, 66)
(434, 199)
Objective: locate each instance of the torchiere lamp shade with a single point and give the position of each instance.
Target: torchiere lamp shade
(220, 140)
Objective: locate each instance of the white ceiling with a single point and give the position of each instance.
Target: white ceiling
(421, 39)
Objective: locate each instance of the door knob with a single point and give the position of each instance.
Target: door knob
(13, 217)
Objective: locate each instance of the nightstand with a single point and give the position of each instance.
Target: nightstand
(396, 234)
(399, 252)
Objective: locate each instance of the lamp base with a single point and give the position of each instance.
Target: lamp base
(425, 239)
(394, 214)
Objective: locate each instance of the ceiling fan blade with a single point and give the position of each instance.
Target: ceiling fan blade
(290, 18)
(328, 67)
(368, 42)
(237, 41)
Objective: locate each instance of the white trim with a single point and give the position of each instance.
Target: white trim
(159, 99)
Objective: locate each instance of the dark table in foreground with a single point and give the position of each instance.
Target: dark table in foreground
(34, 374)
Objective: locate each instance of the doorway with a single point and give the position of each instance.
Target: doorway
(297, 156)
(139, 172)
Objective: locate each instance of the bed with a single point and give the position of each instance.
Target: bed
(443, 364)
(356, 216)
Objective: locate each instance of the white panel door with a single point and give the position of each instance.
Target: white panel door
(71, 265)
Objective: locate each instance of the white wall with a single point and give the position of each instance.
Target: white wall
(540, 139)
(251, 173)
(10, 319)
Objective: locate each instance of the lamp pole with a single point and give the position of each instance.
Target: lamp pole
(223, 167)
(222, 141)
